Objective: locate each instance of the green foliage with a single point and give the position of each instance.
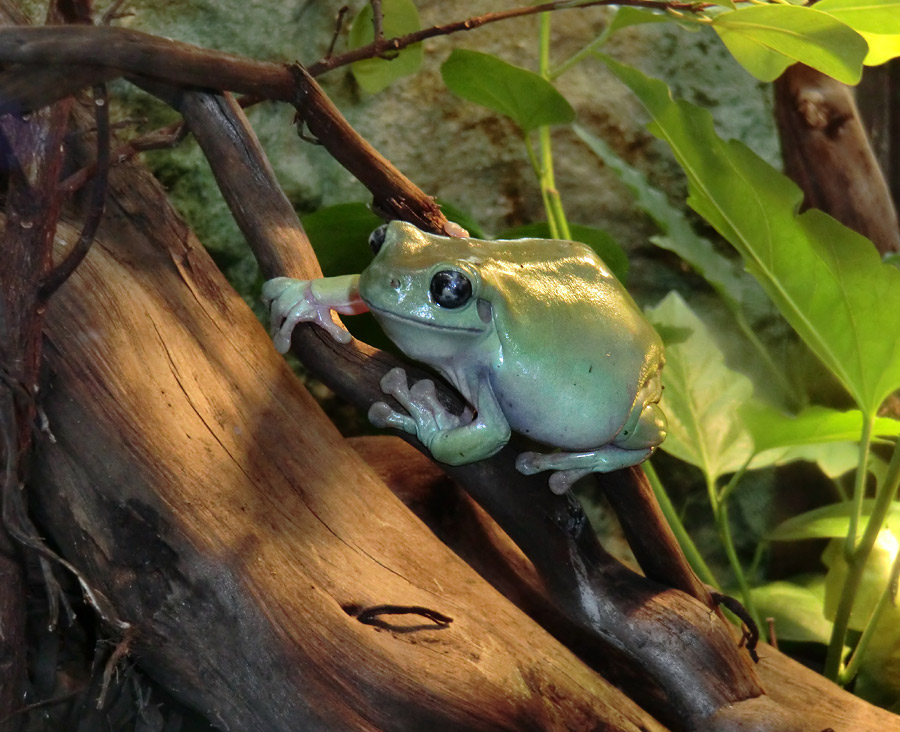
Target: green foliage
(526, 98)
(702, 395)
(766, 39)
(400, 17)
(796, 610)
(825, 279)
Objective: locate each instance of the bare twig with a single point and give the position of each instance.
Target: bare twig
(377, 20)
(62, 271)
(338, 25)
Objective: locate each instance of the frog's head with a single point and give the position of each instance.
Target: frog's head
(424, 291)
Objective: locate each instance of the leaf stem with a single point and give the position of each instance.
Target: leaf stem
(857, 563)
(859, 486)
(719, 503)
(556, 215)
(887, 595)
(695, 559)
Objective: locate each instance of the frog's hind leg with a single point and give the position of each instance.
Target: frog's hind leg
(571, 466)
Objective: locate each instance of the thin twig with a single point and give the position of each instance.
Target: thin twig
(377, 20)
(338, 26)
(61, 272)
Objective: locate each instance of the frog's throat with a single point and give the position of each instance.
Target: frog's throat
(380, 312)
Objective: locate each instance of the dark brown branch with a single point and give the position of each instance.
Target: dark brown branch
(96, 204)
(672, 638)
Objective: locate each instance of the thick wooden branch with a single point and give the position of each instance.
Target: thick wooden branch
(206, 494)
(684, 647)
(826, 152)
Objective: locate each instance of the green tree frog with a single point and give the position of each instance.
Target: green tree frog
(537, 335)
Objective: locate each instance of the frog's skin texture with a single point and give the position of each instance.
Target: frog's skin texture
(537, 335)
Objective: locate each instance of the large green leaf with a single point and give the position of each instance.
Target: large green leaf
(399, 18)
(770, 428)
(871, 16)
(830, 522)
(826, 280)
(766, 39)
(796, 610)
(527, 98)
(882, 48)
(701, 396)
(722, 273)
(607, 248)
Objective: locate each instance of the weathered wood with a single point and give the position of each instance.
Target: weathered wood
(472, 534)
(826, 152)
(205, 493)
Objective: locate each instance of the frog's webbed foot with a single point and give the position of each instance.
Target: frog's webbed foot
(572, 466)
(291, 301)
(451, 438)
(425, 417)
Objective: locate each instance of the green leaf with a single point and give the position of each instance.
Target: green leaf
(826, 280)
(607, 248)
(796, 609)
(882, 48)
(871, 16)
(766, 39)
(722, 273)
(701, 396)
(399, 18)
(771, 428)
(830, 522)
(528, 99)
(627, 16)
(340, 236)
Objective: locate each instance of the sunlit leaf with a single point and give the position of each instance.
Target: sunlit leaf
(722, 273)
(766, 39)
(527, 98)
(882, 48)
(400, 17)
(796, 610)
(701, 396)
(830, 522)
(607, 248)
(771, 428)
(826, 280)
(871, 16)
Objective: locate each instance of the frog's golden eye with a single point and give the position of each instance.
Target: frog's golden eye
(450, 289)
(376, 238)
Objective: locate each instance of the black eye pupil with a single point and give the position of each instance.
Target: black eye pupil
(451, 289)
(376, 238)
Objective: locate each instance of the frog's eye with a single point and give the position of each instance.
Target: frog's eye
(376, 238)
(451, 289)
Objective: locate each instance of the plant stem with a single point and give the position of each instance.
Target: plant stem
(719, 505)
(575, 58)
(859, 486)
(857, 563)
(887, 595)
(556, 216)
(695, 559)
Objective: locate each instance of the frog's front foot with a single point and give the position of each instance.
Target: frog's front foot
(293, 301)
(425, 416)
(572, 466)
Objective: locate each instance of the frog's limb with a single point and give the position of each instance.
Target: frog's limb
(452, 439)
(646, 424)
(293, 301)
(572, 466)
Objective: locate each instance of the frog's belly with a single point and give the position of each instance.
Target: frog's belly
(571, 414)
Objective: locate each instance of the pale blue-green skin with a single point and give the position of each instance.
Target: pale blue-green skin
(550, 345)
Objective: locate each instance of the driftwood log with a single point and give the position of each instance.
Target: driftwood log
(260, 570)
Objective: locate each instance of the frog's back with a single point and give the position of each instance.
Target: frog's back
(575, 346)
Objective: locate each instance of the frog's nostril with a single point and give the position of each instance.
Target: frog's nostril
(395, 283)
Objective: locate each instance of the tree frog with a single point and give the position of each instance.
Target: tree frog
(537, 335)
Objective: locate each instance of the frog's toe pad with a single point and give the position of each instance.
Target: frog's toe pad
(383, 416)
(529, 463)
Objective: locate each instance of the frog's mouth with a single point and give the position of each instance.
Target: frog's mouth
(381, 312)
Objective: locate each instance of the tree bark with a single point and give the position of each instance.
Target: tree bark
(204, 493)
(827, 153)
